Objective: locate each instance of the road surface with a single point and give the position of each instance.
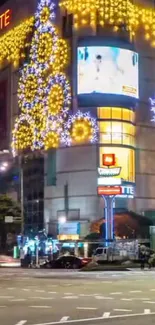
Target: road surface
(39, 297)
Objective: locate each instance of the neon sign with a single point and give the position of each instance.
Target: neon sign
(5, 19)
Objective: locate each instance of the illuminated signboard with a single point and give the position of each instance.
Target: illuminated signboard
(109, 190)
(107, 172)
(108, 159)
(127, 191)
(5, 19)
(109, 181)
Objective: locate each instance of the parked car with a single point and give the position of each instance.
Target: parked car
(66, 262)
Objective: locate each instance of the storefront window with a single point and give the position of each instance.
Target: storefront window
(125, 158)
(117, 133)
(116, 113)
(104, 112)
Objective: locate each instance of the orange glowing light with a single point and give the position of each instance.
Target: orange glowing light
(109, 190)
(5, 19)
(108, 159)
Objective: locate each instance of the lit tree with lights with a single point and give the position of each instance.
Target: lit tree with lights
(44, 93)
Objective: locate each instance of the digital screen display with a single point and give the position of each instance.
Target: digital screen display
(107, 70)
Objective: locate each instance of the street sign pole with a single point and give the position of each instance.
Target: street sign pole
(109, 217)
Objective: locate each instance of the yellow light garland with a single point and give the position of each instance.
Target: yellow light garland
(24, 137)
(115, 13)
(45, 14)
(61, 56)
(55, 100)
(81, 131)
(52, 140)
(13, 43)
(45, 44)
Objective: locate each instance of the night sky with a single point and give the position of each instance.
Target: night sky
(2, 2)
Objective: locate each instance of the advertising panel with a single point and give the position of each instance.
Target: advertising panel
(124, 167)
(107, 70)
(69, 228)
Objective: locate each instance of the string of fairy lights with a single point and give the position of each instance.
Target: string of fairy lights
(44, 93)
(116, 13)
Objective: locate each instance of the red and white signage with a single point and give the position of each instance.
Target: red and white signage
(109, 190)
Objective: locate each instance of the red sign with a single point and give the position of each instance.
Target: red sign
(109, 190)
(108, 159)
(5, 19)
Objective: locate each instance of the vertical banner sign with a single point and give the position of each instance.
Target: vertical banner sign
(3, 115)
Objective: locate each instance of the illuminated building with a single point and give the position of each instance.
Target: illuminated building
(90, 80)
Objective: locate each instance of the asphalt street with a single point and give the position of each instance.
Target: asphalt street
(39, 297)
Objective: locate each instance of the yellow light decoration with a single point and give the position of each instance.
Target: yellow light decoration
(13, 43)
(52, 140)
(81, 131)
(55, 100)
(31, 85)
(61, 56)
(45, 14)
(24, 137)
(110, 12)
(45, 44)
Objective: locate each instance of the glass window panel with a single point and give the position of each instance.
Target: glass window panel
(128, 128)
(105, 127)
(116, 113)
(126, 114)
(105, 138)
(104, 112)
(132, 116)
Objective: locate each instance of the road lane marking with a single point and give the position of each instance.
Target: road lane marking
(115, 293)
(149, 302)
(122, 309)
(17, 300)
(64, 319)
(85, 320)
(26, 289)
(135, 291)
(70, 297)
(2, 306)
(147, 311)
(85, 295)
(40, 306)
(6, 297)
(45, 298)
(105, 298)
(52, 292)
(86, 308)
(126, 299)
(40, 291)
(106, 315)
(152, 289)
(22, 322)
(11, 288)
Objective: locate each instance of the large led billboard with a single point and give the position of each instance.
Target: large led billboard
(107, 70)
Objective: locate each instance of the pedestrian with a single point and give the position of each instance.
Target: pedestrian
(142, 259)
(29, 257)
(22, 257)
